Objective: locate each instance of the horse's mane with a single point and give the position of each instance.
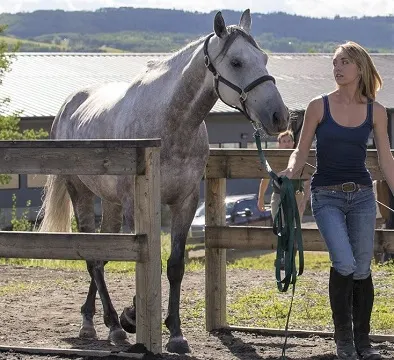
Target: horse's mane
(233, 30)
(151, 64)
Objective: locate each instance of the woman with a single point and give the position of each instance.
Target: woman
(342, 201)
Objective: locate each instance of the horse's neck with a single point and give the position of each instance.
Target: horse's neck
(193, 95)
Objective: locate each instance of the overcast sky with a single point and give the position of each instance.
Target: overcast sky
(315, 8)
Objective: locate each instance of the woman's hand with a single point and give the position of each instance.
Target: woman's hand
(287, 172)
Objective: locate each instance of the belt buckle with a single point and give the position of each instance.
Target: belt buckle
(349, 187)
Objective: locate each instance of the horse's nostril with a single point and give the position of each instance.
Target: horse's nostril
(276, 118)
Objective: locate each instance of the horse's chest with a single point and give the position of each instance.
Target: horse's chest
(181, 173)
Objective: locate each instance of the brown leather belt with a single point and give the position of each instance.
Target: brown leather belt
(345, 187)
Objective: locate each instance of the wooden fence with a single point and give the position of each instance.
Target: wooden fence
(245, 163)
(99, 157)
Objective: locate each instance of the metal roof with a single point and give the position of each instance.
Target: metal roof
(38, 83)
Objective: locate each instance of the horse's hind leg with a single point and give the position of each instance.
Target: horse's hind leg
(128, 315)
(111, 223)
(82, 199)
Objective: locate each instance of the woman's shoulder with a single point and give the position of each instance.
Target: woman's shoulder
(317, 103)
(315, 109)
(379, 111)
(377, 105)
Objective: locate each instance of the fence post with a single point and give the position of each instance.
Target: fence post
(148, 273)
(215, 259)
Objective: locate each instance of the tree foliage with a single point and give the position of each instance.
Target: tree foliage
(153, 30)
(10, 122)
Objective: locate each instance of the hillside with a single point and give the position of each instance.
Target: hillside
(130, 29)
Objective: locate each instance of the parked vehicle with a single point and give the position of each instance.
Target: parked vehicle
(240, 210)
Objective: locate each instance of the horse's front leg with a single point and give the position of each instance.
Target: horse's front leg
(181, 218)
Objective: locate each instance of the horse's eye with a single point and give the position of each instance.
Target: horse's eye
(236, 63)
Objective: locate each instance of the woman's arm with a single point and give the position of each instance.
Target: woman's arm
(386, 160)
(262, 189)
(313, 115)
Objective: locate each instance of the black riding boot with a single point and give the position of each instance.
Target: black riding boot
(340, 290)
(363, 295)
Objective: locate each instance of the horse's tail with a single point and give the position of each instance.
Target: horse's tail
(56, 207)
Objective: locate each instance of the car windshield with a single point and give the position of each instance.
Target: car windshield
(201, 210)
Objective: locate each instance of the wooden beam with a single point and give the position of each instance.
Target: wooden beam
(82, 157)
(263, 238)
(215, 259)
(81, 161)
(148, 274)
(71, 352)
(81, 144)
(245, 163)
(72, 246)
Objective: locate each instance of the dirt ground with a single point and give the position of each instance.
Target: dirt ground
(44, 312)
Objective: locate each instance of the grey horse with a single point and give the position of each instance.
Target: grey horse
(170, 100)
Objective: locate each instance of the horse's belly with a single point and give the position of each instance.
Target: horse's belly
(109, 187)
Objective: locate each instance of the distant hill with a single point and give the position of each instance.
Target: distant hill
(170, 29)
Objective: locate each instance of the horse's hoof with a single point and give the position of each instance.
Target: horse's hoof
(178, 345)
(118, 337)
(127, 320)
(87, 332)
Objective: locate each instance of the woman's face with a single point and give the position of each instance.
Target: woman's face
(345, 72)
(286, 142)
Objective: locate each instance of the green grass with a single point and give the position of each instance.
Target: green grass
(28, 44)
(15, 288)
(312, 261)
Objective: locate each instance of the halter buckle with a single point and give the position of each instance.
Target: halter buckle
(207, 61)
(243, 96)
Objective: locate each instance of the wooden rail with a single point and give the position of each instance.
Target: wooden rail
(245, 163)
(99, 157)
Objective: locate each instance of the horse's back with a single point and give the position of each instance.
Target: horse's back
(84, 114)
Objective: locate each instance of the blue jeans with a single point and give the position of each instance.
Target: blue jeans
(346, 222)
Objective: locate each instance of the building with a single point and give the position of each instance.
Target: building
(38, 83)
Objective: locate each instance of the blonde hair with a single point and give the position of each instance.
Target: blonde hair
(288, 133)
(370, 81)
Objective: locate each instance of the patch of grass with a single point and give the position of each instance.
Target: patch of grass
(16, 288)
(29, 44)
(313, 261)
(266, 307)
(194, 314)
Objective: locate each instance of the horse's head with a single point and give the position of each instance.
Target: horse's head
(241, 77)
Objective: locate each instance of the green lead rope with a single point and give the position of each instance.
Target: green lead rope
(287, 227)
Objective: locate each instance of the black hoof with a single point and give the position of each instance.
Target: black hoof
(127, 320)
(178, 345)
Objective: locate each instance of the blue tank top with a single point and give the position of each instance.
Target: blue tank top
(341, 151)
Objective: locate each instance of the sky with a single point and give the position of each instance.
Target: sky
(313, 8)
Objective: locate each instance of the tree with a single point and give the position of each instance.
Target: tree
(10, 122)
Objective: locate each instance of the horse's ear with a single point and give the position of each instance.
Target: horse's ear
(220, 26)
(246, 21)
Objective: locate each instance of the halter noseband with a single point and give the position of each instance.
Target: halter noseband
(243, 93)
